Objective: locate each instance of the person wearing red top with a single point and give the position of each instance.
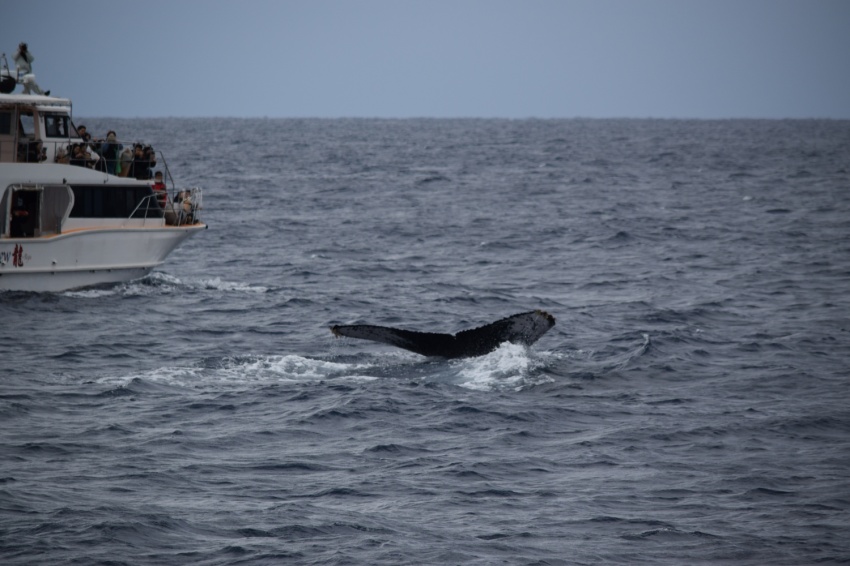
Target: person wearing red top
(159, 189)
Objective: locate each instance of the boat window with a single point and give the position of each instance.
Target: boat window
(5, 122)
(110, 201)
(56, 125)
(27, 124)
(55, 202)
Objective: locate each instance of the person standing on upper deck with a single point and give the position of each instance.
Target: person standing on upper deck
(23, 61)
(110, 151)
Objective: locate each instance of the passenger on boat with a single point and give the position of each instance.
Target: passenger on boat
(95, 161)
(62, 155)
(143, 160)
(80, 157)
(20, 225)
(126, 162)
(183, 207)
(31, 152)
(160, 189)
(90, 148)
(110, 151)
(23, 60)
(75, 158)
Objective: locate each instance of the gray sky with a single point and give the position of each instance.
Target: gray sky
(440, 58)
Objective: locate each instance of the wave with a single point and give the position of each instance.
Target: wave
(618, 354)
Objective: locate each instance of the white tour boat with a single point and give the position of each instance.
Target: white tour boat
(70, 220)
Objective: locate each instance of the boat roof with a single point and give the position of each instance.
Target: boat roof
(34, 99)
(58, 174)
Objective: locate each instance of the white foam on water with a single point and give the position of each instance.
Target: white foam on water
(158, 282)
(242, 371)
(510, 366)
(217, 284)
(90, 293)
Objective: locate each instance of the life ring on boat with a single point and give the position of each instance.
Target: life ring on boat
(7, 84)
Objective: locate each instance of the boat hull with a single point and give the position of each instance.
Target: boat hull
(86, 257)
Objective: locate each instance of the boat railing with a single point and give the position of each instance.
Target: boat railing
(185, 206)
(181, 210)
(147, 208)
(26, 149)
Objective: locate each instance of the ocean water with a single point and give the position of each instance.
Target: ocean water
(689, 406)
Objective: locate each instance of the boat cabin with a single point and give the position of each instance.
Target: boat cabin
(33, 128)
(44, 191)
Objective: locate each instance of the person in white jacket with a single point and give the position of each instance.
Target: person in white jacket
(23, 61)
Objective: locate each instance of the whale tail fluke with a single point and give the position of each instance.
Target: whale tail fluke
(524, 328)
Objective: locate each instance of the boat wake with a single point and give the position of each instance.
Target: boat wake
(157, 282)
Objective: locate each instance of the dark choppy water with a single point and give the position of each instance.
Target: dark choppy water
(690, 406)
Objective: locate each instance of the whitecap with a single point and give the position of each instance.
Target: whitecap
(217, 284)
(90, 293)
